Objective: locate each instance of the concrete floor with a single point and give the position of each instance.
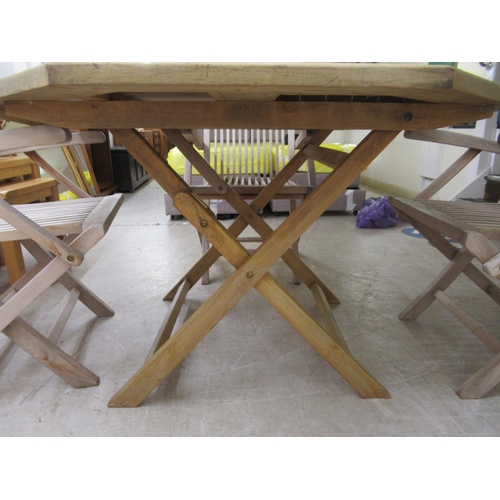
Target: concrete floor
(253, 375)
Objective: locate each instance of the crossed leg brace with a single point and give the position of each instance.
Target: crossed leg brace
(251, 270)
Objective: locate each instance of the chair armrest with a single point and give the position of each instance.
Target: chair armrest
(20, 140)
(453, 139)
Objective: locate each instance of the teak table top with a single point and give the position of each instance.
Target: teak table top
(255, 81)
(252, 95)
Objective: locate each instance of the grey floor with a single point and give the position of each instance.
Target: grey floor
(253, 375)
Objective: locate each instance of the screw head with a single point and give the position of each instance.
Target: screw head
(71, 258)
(249, 274)
(204, 223)
(408, 117)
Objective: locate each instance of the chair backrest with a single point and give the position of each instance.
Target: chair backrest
(243, 156)
(28, 140)
(474, 145)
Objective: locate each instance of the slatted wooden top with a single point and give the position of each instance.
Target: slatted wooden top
(241, 81)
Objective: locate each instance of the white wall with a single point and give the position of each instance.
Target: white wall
(9, 68)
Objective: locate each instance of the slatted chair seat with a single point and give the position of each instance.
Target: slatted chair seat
(485, 217)
(59, 218)
(473, 226)
(58, 235)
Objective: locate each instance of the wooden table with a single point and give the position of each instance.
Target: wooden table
(319, 97)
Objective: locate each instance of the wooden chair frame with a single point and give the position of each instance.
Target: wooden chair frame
(472, 225)
(58, 235)
(474, 146)
(86, 222)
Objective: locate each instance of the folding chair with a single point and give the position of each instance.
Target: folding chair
(472, 225)
(58, 235)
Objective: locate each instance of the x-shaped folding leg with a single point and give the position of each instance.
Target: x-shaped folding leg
(485, 379)
(47, 271)
(251, 271)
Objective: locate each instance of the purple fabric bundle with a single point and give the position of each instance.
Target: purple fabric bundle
(376, 213)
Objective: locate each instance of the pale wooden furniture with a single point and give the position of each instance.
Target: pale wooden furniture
(319, 97)
(22, 180)
(473, 145)
(473, 226)
(58, 235)
(246, 160)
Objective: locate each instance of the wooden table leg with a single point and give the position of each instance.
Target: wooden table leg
(251, 271)
(221, 302)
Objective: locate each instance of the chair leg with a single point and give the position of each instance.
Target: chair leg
(63, 365)
(483, 381)
(447, 276)
(57, 327)
(86, 297)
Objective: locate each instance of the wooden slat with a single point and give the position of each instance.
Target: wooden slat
(58, 218)
(483, 381)
(262, 80)
(248, 114)
(168, 324)
(25, 138)
(331, 326)
(62, 179)
(58, 325)
(454, 139)
(465, 216)
(328, 157)
(474, 326)
(63, 365)
(448, 174)
(39, 234)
